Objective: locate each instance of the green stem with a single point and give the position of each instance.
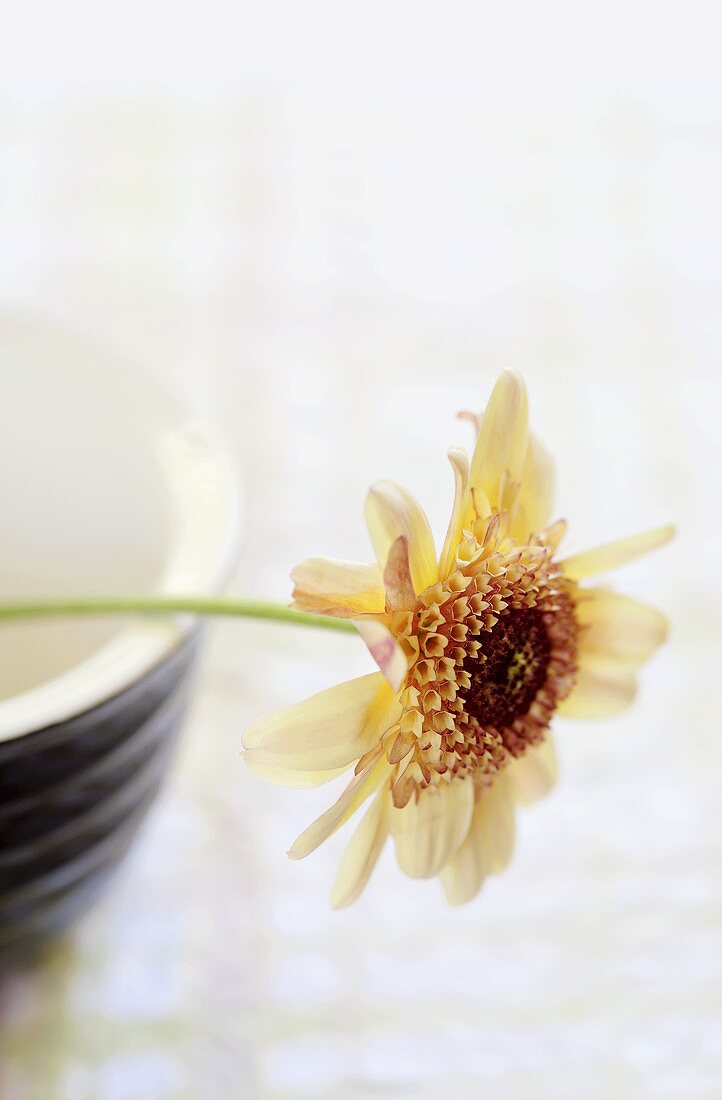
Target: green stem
(172, 605)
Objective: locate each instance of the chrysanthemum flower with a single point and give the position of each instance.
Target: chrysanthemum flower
(478, 646)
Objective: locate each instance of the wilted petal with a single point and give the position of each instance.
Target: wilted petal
(552, 535)
(503, 438)
(472, 418)
(462, 503)
(533, 775)
(360, 788)
(362, 852)
(599, 693)
(400, 595)
(613, 554)
(487, 848)
(341, 588)
(385, 650)
(329, 730)
(428, 831)
(617, 627)
(391, 511)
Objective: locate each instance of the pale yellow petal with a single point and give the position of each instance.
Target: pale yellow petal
(535, 498)
(617, 627)
(362, 852)
(503, 438)
(614, 554)
(464, 873)
(266, 767)
(329, 730)
(487, 848)
(427, 832)
(341, 588)
(460, 464)
(599, 693)
(360, 788)
(533, 775)
(498, 826)
(392, 511)
(385, 650)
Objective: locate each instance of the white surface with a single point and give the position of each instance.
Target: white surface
(334, 279)
(109, 487)
(626, 50)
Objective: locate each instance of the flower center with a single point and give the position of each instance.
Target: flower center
(510, 669)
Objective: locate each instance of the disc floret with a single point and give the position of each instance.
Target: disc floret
(491, 651)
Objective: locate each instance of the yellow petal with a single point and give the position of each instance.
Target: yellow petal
(460, 463)
(599, 693)
(385, 650)
(533, 775)
(362, 852)
(360, 788)
(428, 831)
(613, 554)
(488, 846)
(264, 766)
(535, 499)
(503, 438)
(391, 511)
(329, 730)
(342, 588)
(617, 627)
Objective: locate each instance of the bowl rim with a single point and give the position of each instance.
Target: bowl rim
(201, 477)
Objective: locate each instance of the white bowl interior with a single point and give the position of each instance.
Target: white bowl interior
(83, 506)
(107, 486)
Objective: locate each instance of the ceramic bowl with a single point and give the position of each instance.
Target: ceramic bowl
(109, 486)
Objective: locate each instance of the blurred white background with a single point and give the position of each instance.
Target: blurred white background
(330, 228)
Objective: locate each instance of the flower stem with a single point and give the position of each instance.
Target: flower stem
(172, 605)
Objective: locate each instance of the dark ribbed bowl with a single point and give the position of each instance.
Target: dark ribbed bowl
(73, 795)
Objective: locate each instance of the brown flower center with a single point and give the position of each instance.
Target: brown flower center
(510, 669)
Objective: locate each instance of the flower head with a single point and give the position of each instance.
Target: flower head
(478, 647)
